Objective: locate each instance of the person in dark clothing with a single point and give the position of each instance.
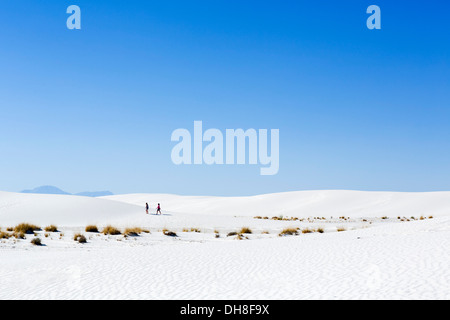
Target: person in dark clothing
(146, 207)
(158, 210)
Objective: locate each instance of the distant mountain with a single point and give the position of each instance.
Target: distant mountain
(55, 190)
(46, 190)
(95, 194)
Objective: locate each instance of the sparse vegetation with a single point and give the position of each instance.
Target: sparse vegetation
(289, 232)
(109, 230)
(169, 233)
(51, 228)
(19, 235)
(4, 235)
(246, 230)
(132, 232)
(307, 230)
(320, 230)
(26, 228)
(232, 233)
(36, 242)
(92, 229)
(79, 238)
(341, 229)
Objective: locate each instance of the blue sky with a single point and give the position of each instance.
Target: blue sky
(94, 109)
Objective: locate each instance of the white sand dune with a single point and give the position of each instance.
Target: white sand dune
(324, 203)
(64, 210)
(373, 259)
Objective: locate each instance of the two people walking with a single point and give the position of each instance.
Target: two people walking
(158, 209)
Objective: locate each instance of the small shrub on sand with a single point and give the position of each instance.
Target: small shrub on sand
(4, 235)
(10, 229)
(240, 237)
(19, 235)
(79, 238)
(246, 230)
(320, 230)
(51, 228)
(132, 232)
(257, 217)
(430, 217)
(92, 229)
(231, 234)
(36, 242)
(265, 232)
(341, 229)
(169, 233)
(26, 228)
(111, 231)
(307, 230)
(289, 232)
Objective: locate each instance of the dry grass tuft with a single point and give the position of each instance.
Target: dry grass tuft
(111, 231)
(51, 228)
(341, 229)
(307, 230)
(91, 228)
(132, 232)
(36, 242)
(232, 233)
(289, 232)
(169, 233)
(246, 230)
(26, 228)
(79, 238)
(4, 235)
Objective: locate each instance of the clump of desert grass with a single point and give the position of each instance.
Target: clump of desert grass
(36, 242)
(5, 235)
(169, 233)
(19, 235)
(92, 229)
(289, 232)
(246, 230)
(240, 236)
(320, 230)
(132, 232)
(51, 228)
(79, 238)
(341, 229)
(110, 230)
(196, 230)
(232, 233)
(265, 232)
(26, 228)
(307, 230)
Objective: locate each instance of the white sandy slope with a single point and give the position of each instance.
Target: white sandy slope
(63, 210)
(385, 259)
(324, 203)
